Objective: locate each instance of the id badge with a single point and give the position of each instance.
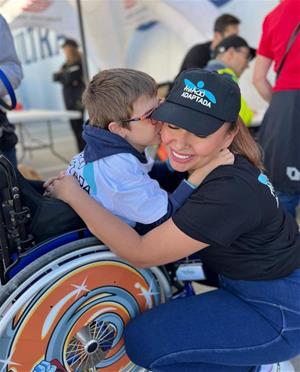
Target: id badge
(190, 271)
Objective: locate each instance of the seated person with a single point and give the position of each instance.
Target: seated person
(231, 57)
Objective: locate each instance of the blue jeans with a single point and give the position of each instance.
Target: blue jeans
(289, 202)
(236, 328)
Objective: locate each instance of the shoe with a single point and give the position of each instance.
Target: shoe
(278, 367)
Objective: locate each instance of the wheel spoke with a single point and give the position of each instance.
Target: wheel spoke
(104, 336)
(85, 350)
(99, 331)
(85, 356)
(75, 346)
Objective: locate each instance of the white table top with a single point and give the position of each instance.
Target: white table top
(37, 115)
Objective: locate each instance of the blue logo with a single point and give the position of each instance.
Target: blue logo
(199, 90)
(219, 3)
(262, 178)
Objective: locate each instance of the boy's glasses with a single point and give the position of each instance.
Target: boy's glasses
(143, 117)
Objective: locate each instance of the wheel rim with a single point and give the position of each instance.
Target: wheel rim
(90, 345)
(102, 307)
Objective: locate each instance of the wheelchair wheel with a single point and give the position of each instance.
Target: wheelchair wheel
(71, 306)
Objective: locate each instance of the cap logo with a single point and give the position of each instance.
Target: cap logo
(198, 93)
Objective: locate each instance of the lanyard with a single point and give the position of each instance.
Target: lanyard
(10, 91)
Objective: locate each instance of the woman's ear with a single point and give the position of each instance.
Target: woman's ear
(229, 137)
(116, 128)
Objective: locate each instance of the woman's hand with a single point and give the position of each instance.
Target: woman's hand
(65, 188)
(224, 157)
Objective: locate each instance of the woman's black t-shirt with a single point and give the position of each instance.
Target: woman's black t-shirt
(236, 212)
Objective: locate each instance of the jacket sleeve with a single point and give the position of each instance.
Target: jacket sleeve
(9, 62)
(166, 176)
(125, 188)
(175, 201)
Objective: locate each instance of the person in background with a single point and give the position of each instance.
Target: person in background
(231, 57)
(279, 134)
(199, 55)
(11, 67)
(71, 77)
(234, 223)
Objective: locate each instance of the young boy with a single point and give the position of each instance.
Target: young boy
(114, 166)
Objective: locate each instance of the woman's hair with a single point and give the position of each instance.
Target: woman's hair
(245, 145)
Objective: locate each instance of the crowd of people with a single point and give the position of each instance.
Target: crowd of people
(220, 194)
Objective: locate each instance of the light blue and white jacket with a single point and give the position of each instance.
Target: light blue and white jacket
(116, 175)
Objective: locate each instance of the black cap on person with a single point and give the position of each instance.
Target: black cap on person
(233, 41)
(200, 102)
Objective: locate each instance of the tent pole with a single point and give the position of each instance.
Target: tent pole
(84, 49)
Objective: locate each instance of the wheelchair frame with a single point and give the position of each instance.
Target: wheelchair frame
(69, 297)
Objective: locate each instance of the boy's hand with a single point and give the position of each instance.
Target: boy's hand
(224, 157)
(64, 188)
(52, 179)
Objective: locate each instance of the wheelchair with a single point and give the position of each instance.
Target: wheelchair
(65, 301)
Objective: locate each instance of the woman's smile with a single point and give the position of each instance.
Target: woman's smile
(180, 157)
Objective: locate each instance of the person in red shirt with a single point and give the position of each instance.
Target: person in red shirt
(280, 127)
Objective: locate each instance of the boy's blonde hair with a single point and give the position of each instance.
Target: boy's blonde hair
(111, 94)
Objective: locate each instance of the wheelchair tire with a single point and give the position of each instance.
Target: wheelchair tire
(16, 281)
(70, 307)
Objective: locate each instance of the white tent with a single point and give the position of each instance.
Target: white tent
(151, 35)
(109, 25)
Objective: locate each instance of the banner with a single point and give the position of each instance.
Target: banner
(58, 15)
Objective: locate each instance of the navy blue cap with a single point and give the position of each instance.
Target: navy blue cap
(200, 102)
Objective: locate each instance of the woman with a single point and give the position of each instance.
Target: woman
(71, 77)
(234, 223)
